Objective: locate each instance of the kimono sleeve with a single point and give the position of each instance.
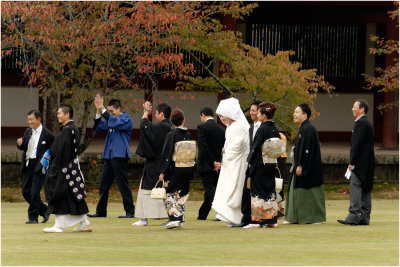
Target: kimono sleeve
(305, 148)
(64, 149)
(237, 141)
(147, 139)
(166, 154)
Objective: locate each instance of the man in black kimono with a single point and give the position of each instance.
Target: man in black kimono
(362, 160)
(211, 139)
(64, 185)
(305, 200)
(36, 140)
(151, 141)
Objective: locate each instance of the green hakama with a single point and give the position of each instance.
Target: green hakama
(305, 205)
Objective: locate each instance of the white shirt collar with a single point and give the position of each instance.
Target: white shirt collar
(258, 123)
(38, 131)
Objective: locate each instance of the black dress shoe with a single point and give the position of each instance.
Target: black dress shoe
(45, 218)
(216, 220)
(238, 225)
(201, 218)
(363, 222)
(96, 215)
(346, 223)
(31, 222)
(127, 216)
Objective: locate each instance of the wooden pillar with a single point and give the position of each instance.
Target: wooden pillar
(390, 117)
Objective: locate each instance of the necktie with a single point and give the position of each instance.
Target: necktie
(31, 144)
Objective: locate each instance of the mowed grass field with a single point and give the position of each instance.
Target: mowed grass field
(116, 242)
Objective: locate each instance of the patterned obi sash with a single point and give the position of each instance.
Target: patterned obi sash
(184, 154)
(272, 149)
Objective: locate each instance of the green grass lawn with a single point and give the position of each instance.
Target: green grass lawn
(116, 242)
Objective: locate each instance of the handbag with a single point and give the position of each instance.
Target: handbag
(158, 192)
(279, 181)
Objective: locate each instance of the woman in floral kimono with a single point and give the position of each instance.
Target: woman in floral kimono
(262, 171)
(176, 168)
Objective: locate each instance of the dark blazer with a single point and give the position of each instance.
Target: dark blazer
(307, 153)
(46, 139)
(211, 139)
(362, 154)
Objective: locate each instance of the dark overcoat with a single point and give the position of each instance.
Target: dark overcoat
(362, 154)
(211, 141)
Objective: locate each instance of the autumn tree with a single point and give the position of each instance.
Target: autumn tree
(386, 80)
(72, 50)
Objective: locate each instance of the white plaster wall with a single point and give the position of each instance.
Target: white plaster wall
(15, 104)
(335, 111)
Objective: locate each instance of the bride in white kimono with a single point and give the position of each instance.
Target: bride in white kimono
(228, 195)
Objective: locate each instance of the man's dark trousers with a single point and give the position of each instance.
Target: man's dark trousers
(209, 180)
(32, 183)
(246, 204)
(115, 168)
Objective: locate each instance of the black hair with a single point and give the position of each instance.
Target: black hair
(207, 111)
(177, 117)
(164, 108)
(256, 103)
(363, 104)
(306, 109)
(268, 109)
(36, 113)
(115, 103)
(67, 109)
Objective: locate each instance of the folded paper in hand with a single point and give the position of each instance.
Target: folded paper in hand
(347, 174)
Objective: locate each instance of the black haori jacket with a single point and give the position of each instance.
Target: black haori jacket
(59, 195)
(151, 141)
(307, 153)
(362, 154)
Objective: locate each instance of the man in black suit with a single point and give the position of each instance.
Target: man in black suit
(246, 199)
(211, 139)
(36, 140)
(362, 160)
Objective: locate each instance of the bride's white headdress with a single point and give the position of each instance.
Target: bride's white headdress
(231, 108)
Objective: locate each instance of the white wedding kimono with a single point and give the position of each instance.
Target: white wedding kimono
(228, 195)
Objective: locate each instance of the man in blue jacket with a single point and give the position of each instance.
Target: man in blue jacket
(116, 154)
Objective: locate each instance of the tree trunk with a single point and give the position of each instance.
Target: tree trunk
(85, 141)
(51, 114)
